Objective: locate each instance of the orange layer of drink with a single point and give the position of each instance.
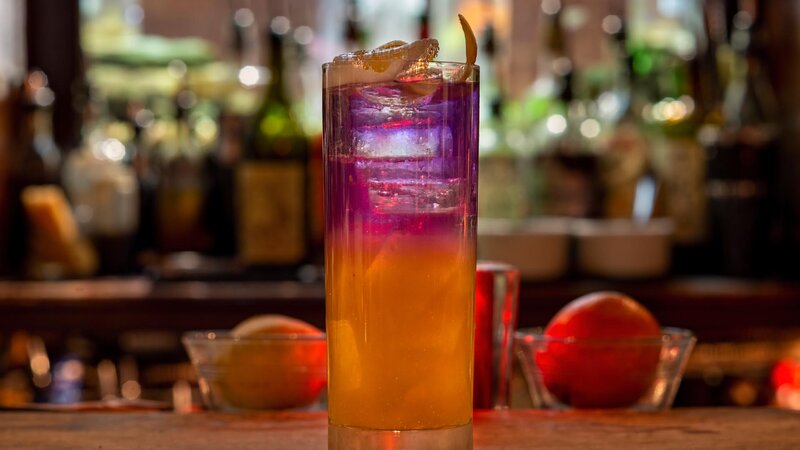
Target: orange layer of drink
(400, 323)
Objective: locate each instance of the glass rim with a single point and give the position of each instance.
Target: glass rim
(226, 336)
(669, 335)
(435, 62)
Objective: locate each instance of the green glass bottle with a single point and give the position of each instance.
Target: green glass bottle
(271, 180)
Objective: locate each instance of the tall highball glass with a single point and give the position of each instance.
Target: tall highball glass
(400, 215)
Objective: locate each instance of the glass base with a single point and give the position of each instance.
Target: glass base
(346, 438)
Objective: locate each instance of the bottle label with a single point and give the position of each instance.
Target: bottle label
(271, 222)
(681, 163)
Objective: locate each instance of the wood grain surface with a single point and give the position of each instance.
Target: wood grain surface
(509, 430)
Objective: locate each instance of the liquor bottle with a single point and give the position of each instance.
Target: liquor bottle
(553, 64)
(570, 167)
(182, 187)
(271, 180)
(219, 211)
(543, 109)
(665, 43)
(502, 192)
(309, 111)
(698, 256)
(490, 95)
(142, 118)
(625, 162)
(501, 178)
(16, 387)
(527, 114)
(565, 178)
(354, 35)
(7, 112)
(37, 160)
(103, 190)
(424, 20)
(24, 370)
(42, 158)
(243, 40)
(710, 81)
(742, 168)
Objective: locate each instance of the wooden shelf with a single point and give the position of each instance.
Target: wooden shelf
(715, 308)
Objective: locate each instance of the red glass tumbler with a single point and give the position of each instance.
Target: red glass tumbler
(496, 304)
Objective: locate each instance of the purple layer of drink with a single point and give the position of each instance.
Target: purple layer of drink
(401, 177)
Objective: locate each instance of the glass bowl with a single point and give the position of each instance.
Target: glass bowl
(637, 373)
(268, 372)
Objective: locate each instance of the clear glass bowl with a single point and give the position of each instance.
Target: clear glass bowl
(271, 372)
(638, 373)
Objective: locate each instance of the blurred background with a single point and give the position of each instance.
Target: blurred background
(647, 146)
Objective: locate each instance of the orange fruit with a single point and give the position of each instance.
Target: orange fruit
(278, 362)
(271, 324)
(605, 354)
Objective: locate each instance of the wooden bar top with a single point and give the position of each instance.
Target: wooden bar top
(718, 429)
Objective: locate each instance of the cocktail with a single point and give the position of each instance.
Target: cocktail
(401, 141)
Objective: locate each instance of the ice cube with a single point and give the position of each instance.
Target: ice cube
(419, 83)
(400, 95)
(420, 72)
(402, 143)
(415, 196)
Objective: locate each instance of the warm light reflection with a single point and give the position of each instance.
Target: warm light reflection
(675, 110)
(303, 35)
(249, 75)
(244, 17)
(590, 128)
(556, 124)
(280, 25)
(131, 390)
(551, 6)
(111, 149)
(670, 109)
(72, 370)
(40, 364)
(609, 104)
(515, 139)
(786, 381)
(488, 138)
(206, 129)
(177, 68)
(612, 24)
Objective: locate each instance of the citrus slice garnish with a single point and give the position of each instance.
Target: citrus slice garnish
(398, 61)
(381, 58)
(382, 64)
(472, 46)
(391, 44)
